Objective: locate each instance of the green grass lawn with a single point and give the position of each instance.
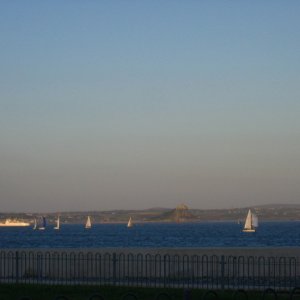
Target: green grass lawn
(43, 292)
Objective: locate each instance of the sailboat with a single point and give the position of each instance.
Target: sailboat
(34, 225)
(43, 225)
(57, 224)
(88, 223)
(130, 223)
(251, 222)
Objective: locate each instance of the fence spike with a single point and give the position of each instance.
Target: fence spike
(163, 296)
(210, 293)
(268, 292)
(238, 293)
(129, 296)
(96, 297)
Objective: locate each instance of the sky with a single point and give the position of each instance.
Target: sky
(139, 104)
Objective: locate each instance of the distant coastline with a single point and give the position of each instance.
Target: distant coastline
(272, 212)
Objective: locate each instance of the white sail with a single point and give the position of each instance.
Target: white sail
(251, 222)
(88, 223)
(248, 223)
(57, 224)
(34, 224)
(130, 223)
(43, 225)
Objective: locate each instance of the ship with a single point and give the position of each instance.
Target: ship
(14, 223)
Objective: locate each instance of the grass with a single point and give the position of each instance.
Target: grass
(44, 292)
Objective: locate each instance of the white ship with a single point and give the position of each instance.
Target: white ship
(14, 223)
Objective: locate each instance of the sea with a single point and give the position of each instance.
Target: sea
(153, 235)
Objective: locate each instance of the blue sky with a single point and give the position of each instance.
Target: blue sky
(137, 104)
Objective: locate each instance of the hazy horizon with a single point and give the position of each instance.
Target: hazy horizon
(114, 105)
(149, 208)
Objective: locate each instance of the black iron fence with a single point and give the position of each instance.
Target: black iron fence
(149, 270)
(207, 295)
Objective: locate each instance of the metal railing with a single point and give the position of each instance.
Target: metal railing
(149, 270)
(206, 295)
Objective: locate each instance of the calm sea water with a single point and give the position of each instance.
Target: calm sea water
(209, 234)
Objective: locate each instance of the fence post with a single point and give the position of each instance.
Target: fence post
(17, 266)
(223, 272)
(114, 268)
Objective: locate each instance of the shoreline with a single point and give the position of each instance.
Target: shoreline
(183, 222)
